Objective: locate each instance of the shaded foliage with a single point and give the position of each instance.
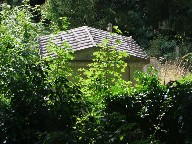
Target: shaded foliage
(161, 112)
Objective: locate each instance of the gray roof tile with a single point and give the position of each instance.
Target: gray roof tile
(87, 37)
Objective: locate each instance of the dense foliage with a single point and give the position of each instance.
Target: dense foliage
(41, 102)
(32, 103)
(149, 21)
(144, 20)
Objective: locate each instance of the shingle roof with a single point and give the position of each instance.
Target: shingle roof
(88, 37)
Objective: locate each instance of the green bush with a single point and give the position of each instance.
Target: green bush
(161, 112)
(187, 61)
(37, 101)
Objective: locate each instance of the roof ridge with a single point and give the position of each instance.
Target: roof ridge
(109, 32)
(90, 35)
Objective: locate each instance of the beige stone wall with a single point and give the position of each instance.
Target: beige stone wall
(134, 67)
(75, 65)
(127, 75)
(84, 57)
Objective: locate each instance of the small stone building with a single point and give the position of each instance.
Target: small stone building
(84, 41)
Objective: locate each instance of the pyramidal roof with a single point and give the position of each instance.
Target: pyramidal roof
(87, 37)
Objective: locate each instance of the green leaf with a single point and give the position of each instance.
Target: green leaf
(121, 137)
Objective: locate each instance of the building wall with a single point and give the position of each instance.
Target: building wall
(76, 65)
(84, 57)
(134, 67)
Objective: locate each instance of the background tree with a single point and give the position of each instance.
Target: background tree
(140, 19)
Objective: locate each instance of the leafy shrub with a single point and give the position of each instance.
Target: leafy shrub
(160, 112)
(37, 101)
(103, 80)
(187, 61)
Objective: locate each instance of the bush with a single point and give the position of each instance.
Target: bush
(187, 61)
(160, 112)
(36, 102)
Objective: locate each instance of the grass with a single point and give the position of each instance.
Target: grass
(171, 71)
